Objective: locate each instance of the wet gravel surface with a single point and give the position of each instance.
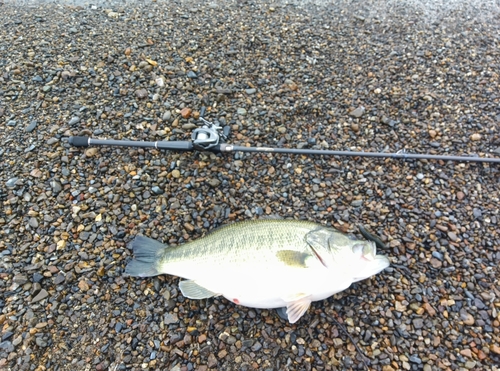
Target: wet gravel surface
(342, 77)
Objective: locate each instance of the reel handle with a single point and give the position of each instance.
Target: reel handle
(180, 146)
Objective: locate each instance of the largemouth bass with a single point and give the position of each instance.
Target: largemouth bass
(262, 263)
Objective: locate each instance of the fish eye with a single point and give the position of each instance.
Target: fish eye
(358, 249)
(364, 251)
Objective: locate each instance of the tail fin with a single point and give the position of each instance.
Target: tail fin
(146, 257)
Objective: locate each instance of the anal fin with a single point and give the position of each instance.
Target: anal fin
(192, 290)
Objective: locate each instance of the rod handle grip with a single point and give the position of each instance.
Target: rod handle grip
(79, 141)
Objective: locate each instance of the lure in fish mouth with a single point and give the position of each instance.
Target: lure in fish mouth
(262, 263)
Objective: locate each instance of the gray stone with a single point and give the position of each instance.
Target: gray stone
(20, 279)
(40, 296)
(56, 186)
(84, 235)
(418, 323)
(437, 255)
(415, 359)
(167, 115)
(30, 148)
(358, 112)
(452, 236)
(157, 190)
(12, 183)
(141, 93)
(40, 342)
(7, 346)
(357, 203)
(74, 120)
(256, 346)
(17, 340)
(169, 319)
(33, 222)
(59, 278)
(213, 182)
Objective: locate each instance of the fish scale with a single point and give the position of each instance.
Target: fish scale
(233, 243)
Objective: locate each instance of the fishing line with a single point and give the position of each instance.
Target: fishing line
(364, 358)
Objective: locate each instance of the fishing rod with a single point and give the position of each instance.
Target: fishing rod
(212, 137)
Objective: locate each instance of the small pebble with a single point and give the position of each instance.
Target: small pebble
(141, 93)
(358, 112)
(74, 120)
(40, 296)
(475, 137)
(31, 126)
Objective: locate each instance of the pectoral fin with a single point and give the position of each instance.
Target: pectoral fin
(192, 290)
(297, 308)
(293, 258)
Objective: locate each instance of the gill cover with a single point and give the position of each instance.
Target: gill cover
(320, 240)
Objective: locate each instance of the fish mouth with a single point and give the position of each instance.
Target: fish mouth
(378, 264)
(383, 261)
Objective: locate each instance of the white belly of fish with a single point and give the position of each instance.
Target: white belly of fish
(274, 288)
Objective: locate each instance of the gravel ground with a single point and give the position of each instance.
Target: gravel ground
(349, 75)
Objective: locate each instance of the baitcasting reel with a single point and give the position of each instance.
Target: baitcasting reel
(209, 135)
